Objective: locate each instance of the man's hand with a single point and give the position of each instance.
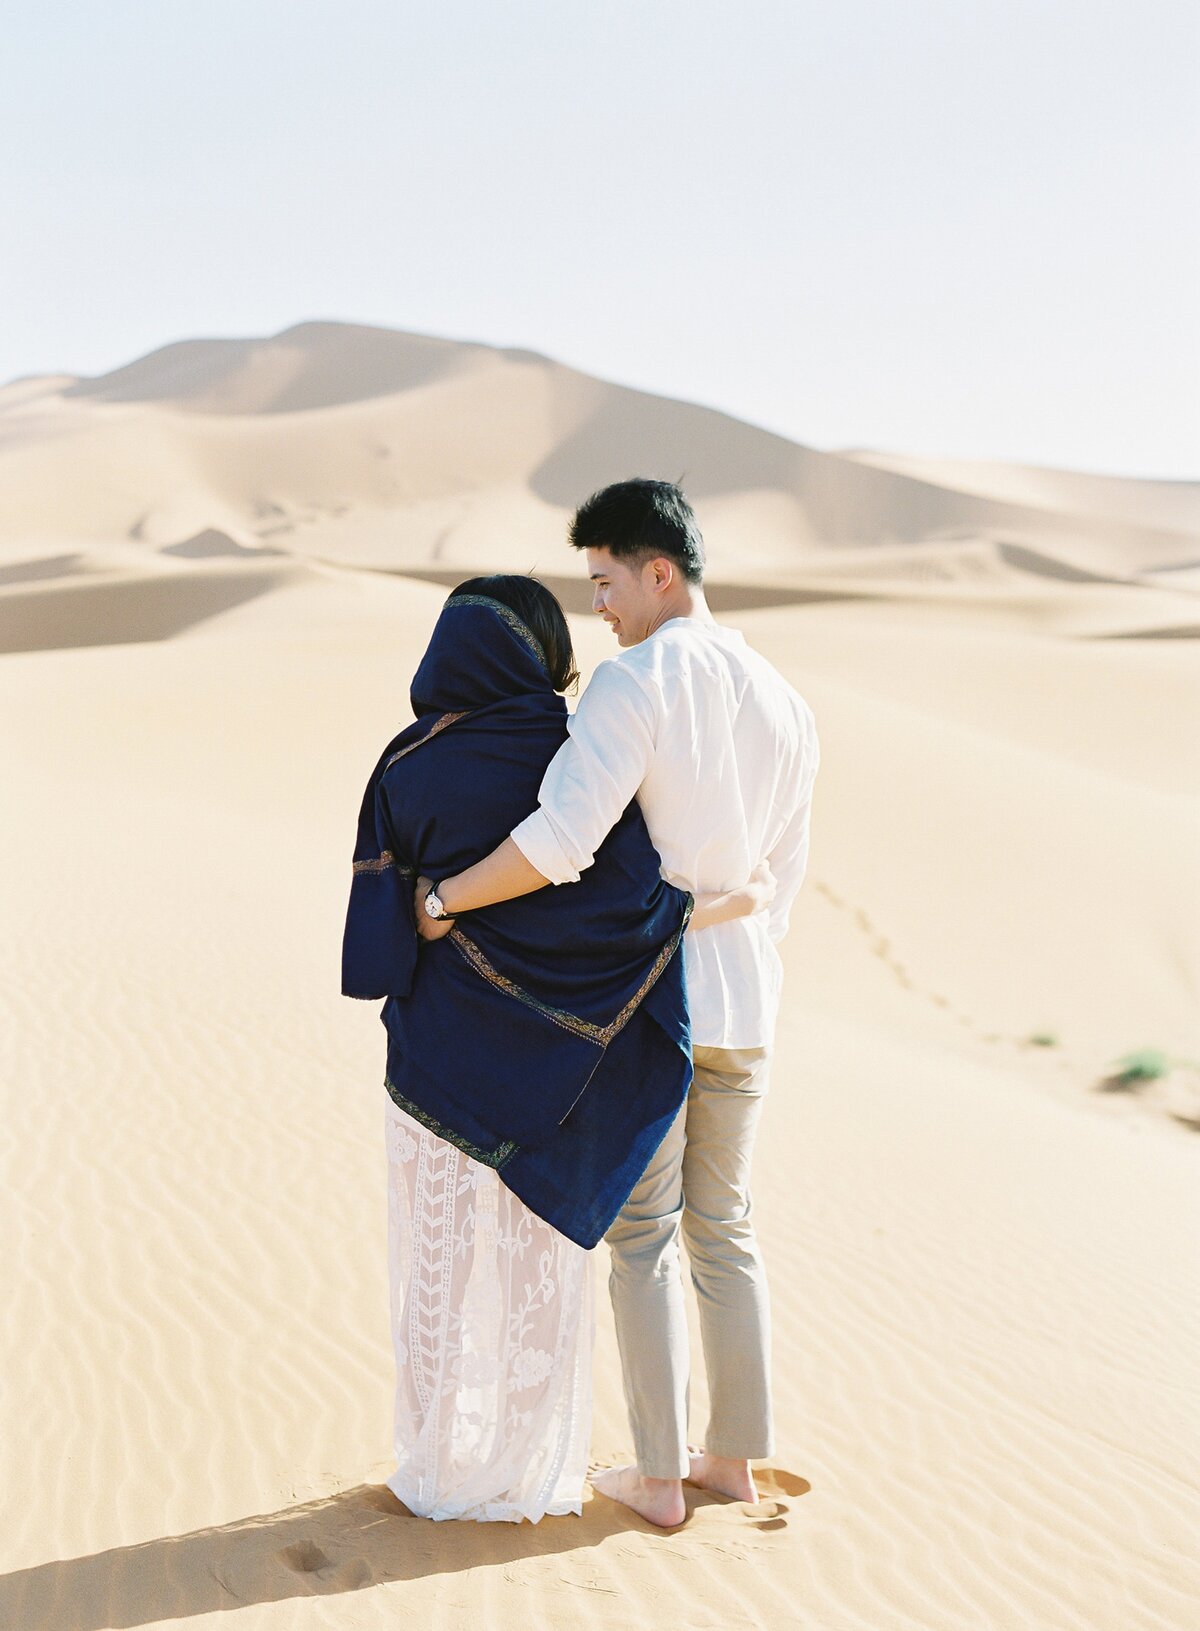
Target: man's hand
(754, 896)
(760, 890)
(429, 928)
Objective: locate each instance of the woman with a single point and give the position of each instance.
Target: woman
(536, 1057)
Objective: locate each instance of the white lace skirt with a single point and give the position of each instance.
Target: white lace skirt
(492, 1323)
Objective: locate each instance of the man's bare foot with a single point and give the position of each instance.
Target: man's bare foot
(722, 1476)
(658, 1500)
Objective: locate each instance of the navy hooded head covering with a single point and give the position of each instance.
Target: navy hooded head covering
(546, 1036)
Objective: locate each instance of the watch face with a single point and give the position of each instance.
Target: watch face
(433, 906)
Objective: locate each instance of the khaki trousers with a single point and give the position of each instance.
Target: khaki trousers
(697, 1188)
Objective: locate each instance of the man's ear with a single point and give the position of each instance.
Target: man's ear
(664, 573)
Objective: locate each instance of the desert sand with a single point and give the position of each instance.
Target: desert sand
(218, 567)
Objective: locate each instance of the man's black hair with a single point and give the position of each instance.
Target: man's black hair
(639, 519)
(538, 608)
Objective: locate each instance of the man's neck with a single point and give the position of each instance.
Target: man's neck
(688, 602)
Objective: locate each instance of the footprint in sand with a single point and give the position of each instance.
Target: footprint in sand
(766, 1515)
(729, 1528)
(307, 1558)
(352, 1576)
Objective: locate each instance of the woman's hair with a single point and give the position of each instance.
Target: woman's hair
(537, 607)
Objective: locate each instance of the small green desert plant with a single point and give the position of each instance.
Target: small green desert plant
(1043, 1039)
(1146, 1065)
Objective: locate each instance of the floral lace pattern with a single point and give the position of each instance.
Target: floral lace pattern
(492, 1324)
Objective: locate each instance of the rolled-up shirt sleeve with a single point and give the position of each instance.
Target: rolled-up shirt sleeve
(592, 777)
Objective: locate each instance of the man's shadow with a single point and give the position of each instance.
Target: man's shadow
(360, 1537)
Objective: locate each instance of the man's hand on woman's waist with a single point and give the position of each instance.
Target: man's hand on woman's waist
(754, 896)
(502, 875)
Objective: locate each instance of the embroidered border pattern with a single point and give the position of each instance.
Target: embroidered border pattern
(521, 629)
(487, 1158)
(437, 726)
(601, 1035)
(386, 860)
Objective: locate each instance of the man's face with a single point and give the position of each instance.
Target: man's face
(624, 593)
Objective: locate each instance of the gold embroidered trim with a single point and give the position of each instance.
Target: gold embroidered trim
(438, 725)
(521, 629)
(488, 1158)
(386, 860)
(602, 1035)
(569, 1022)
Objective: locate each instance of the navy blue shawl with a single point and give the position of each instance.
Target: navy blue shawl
(546, 1036)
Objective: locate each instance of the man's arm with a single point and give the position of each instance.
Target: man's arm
(586, 788)
(754, 896)
(507, 872)
(502, 875)
(788, 860)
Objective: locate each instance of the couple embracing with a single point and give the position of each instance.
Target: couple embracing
(573, 921)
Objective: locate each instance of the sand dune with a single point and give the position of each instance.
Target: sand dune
(1171, 504)
(385, 449)
(312, 365)
(983, 1259)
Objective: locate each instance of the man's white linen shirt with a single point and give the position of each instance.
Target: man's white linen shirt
(721, 753)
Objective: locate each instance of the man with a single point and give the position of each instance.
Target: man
(721, 754)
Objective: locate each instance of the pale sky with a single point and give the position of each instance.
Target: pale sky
(966, 227)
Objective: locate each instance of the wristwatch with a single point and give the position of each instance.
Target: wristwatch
(433, 905)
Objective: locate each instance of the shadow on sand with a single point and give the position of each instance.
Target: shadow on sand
(360, 1537)
(96, 613)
